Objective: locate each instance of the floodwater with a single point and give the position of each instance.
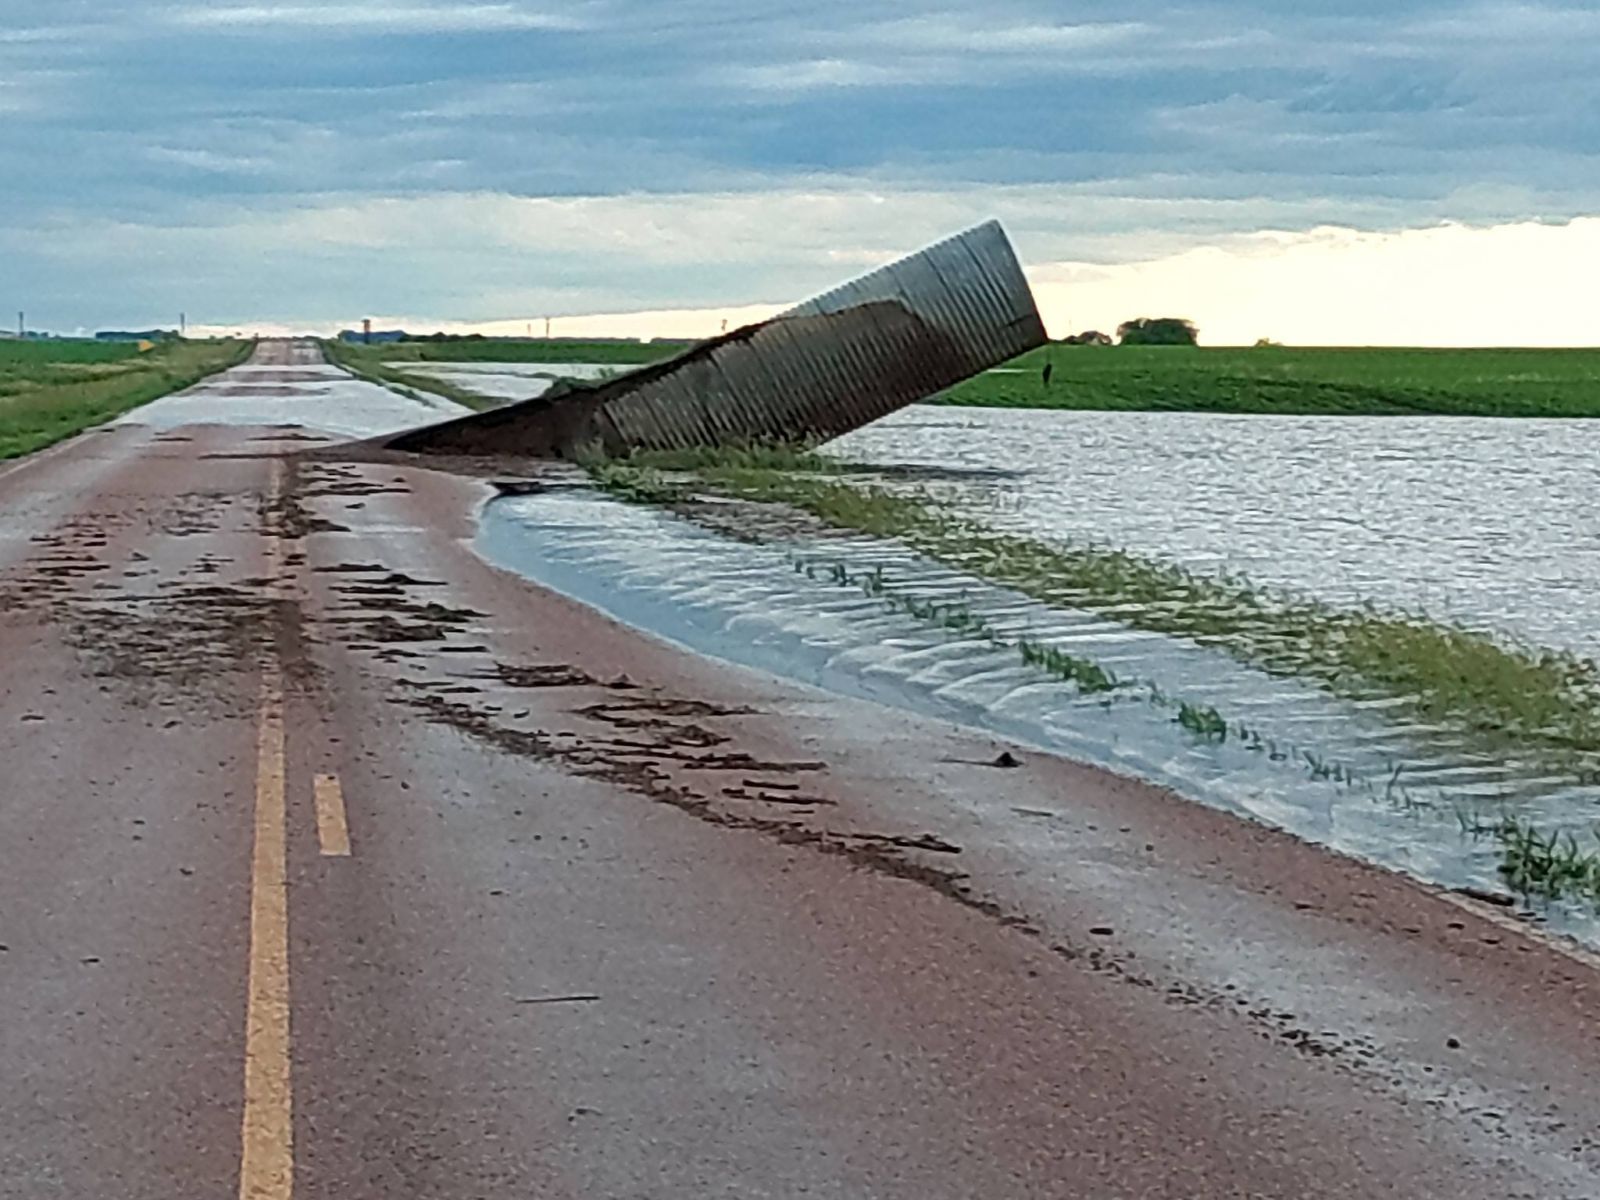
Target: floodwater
(1487, 523)
(506, 381)
(1343, 774)
(314, 395)
(1492, 524)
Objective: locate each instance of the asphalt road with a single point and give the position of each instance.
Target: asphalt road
(336, 863)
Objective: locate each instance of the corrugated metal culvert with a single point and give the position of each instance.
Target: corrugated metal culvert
(849, 356)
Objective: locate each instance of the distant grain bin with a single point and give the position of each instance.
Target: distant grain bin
(895, 336)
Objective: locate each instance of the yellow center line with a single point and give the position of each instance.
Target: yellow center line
(266, 1168)
(333, 830)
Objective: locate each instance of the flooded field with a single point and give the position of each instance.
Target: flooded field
(1487, 523)
(505, 381)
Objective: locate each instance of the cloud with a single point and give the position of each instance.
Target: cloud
(967, 32)
(639, 155)
(942, 48)
(372, 18)
(473, 258)
(817, 73)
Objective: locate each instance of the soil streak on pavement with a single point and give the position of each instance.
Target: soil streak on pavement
(617, 921)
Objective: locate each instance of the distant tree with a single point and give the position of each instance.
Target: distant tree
(1263, 343)
(1089, 337)
(1158, 331)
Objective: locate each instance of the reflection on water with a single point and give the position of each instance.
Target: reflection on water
(1489, 523)
(504, 381)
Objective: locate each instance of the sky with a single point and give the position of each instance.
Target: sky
(1359, 172)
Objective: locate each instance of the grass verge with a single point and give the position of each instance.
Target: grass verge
(51, 391)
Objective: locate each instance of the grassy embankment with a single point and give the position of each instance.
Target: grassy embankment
(386, 364)
(1504, 696)
(51, 390)
(1291, 381)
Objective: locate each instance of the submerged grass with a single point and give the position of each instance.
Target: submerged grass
(52, 390)
(1475, 681)
(1203, 721)
(1504, 694)
(1090, 677)
(1536, 864)
(1497, 690)
(958, 617)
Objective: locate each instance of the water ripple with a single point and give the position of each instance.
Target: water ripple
(1344, 773)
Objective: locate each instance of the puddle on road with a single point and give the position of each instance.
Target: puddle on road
(841, 613)
(316, 397)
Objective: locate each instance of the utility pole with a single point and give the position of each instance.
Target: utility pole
(183, 324)
(547, 329)
(22, 325)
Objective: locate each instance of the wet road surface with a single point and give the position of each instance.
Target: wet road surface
(336, 863)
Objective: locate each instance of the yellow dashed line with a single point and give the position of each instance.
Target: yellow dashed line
(333, 831)
(266, 1168)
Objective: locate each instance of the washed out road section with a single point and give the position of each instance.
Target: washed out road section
(620, 921)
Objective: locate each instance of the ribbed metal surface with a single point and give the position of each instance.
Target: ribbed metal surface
(840, 360)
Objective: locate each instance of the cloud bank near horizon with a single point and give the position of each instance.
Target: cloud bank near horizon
(310, 163)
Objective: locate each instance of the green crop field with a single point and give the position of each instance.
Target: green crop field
(51, 390)
(1276, 379)
(27, 366)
